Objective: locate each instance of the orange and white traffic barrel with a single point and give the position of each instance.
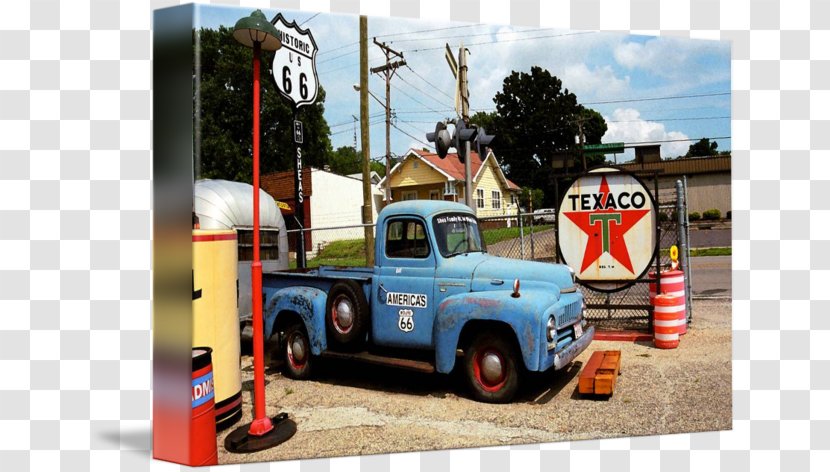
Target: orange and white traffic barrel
(203, 420)
(672, 282)
(669, 316)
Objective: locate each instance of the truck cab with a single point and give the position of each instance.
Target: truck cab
(433, 293)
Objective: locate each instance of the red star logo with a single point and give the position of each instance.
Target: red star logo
(605, 229)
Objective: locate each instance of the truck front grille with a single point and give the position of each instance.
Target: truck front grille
(570, 313)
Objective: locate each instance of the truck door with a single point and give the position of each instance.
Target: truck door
(403, 307)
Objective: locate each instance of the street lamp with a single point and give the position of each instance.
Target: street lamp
(356, 88)
(255, 31)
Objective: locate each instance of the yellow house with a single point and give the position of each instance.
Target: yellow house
(423, 175)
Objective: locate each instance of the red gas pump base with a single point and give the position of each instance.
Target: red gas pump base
(240, 441)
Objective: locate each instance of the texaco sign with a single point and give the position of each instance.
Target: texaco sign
(607, 224)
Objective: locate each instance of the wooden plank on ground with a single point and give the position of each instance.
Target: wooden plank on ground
(586, 377)
(600, 374)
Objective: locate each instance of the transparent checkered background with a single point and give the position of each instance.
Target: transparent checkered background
(75, 220)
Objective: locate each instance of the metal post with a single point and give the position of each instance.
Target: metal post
(688, 252)
(521, 236)
(261, 423)
(532, 245)
(299, 206)
(684, 244)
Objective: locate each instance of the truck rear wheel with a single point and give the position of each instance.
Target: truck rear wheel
(492, 369)
(347, 315)
(297, 352)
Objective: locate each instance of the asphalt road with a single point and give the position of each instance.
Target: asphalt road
(351, 408)
(711, 277)
(721, 237)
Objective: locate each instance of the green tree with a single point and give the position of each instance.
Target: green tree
(703, 148)
(531, 198)
(224, 110)
(345, 160)
(536, 119)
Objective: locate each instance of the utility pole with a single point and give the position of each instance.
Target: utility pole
(464, 93)
(368, 235)
(579, 122)
(387, 70)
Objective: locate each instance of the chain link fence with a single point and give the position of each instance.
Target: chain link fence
(526, 237)
(343, 246)
(522, 236)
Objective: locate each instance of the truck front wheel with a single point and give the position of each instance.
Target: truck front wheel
(492, 369)
(297, 352)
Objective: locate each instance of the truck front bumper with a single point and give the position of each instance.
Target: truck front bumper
(565, 356)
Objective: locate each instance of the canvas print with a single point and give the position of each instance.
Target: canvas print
(413, 235)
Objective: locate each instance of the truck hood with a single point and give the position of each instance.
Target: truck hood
(498, 273)
(487, 272)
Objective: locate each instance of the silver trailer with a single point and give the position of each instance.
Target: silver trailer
(223, 204)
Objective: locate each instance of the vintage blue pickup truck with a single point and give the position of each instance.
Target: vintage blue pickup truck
(434, 295)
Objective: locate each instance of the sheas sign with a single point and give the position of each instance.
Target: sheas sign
(607, 228)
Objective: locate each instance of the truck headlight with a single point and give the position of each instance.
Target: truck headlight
(551, 329)
(573, 274)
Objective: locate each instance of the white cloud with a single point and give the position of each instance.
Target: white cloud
(625, 125)
(689, 62)
(598, 82)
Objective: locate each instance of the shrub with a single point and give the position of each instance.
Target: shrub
(713, 214)
(729, 215)
(662, 217)
(694, 216)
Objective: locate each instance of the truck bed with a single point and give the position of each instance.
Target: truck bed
(321, 278)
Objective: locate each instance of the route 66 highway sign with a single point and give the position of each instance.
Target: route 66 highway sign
(294, 68)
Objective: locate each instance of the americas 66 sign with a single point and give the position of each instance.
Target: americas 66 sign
(607, 228)
(294, 67)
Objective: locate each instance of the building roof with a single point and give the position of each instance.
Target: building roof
(685, 166)
(452, 168)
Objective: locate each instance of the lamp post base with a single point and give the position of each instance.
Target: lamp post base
(240, 441)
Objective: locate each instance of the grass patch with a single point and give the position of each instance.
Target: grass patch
(493, 236)
(703, 252)
(348, 252)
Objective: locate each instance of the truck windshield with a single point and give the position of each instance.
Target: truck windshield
(457, 233)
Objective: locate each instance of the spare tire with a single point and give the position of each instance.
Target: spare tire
(347, 315)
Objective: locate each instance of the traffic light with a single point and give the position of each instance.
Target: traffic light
(444, 141)
(462, 135)
(441, 138)
(482, 140)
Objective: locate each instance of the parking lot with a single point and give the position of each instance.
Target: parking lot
(351, 408)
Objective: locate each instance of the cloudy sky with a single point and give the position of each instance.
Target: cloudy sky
(647, 88)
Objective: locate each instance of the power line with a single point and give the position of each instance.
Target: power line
(430, 83)
(415, 99)
(371, 123)
(678, 140)
(309, 19)
(507, 40)
(648, 99)
(423, 92)
(413, 137)
(643, 99)
(531, 30)
(430, 30)
(628, 121)
(343, 123)
(671, 119)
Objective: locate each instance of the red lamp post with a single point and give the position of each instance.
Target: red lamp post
(256, 32)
